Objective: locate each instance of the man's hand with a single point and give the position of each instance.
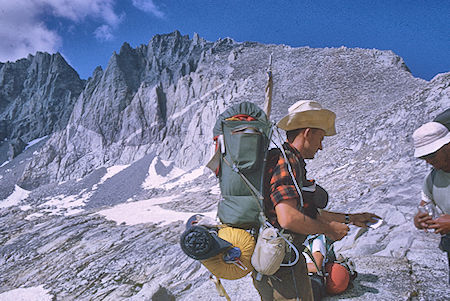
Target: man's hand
(337, 231)
(361, 219)
(441, 225)
(421, 220)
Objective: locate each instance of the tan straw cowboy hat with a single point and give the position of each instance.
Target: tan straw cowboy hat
(308, 114)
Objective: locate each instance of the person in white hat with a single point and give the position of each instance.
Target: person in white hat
(432, 144)
(306, 125)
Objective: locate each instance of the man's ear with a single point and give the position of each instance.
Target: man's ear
(307, 132)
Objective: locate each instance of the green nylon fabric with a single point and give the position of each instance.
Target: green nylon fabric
(246, 108)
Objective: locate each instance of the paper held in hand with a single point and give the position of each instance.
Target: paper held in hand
(376, 224)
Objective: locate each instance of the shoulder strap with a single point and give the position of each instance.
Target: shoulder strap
(299, 191)
(329, 247)
(310, 255)
(433, 175)
(298, 170)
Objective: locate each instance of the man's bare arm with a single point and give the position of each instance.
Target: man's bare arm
(357, 219)
(293, 220)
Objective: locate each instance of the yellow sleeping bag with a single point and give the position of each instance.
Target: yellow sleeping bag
(233, 269)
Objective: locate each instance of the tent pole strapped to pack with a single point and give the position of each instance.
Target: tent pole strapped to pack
(268, 90)
(219, 287)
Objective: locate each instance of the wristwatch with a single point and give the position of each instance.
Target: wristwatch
(347, 219)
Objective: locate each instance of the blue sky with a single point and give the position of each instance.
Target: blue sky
(87, 32)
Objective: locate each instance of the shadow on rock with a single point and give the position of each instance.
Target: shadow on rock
(359, 287)
(162, 294)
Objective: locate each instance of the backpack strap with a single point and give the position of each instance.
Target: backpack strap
(310, 255)
(433, 176)
(329, 248)
(252, 188)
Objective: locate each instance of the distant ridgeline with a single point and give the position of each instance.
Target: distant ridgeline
(164, 97)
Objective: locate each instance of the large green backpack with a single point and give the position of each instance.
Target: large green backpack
(243, 133)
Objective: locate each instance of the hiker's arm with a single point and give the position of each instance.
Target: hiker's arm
(357, 219)
(318, 258)
(293, 220)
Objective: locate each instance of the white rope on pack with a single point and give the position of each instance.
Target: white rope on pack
(239, 264)
(291, 245)
(289, 168)
(311, 188)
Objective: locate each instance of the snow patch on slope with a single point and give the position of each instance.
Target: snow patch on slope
(148, 211)
(164, 174)
(37, 293)
(35, 141)
(15, 198)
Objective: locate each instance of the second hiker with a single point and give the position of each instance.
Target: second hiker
(432, 144)
(306, 125)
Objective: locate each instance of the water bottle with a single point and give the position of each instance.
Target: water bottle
(429, 208)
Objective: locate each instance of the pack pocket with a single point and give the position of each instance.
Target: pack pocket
(243, 145)
(240, 211)
(269, 252)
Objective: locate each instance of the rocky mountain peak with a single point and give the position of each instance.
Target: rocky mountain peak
(125, 48)
(44, 84)
(389, 58)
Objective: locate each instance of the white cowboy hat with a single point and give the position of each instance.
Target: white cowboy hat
(429, 138)
(308, 114)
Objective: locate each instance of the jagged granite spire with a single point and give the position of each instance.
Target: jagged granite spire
(36, 95)
(163, 98)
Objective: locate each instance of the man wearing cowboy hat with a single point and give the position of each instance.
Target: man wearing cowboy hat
(306, 125)
(432, 144)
